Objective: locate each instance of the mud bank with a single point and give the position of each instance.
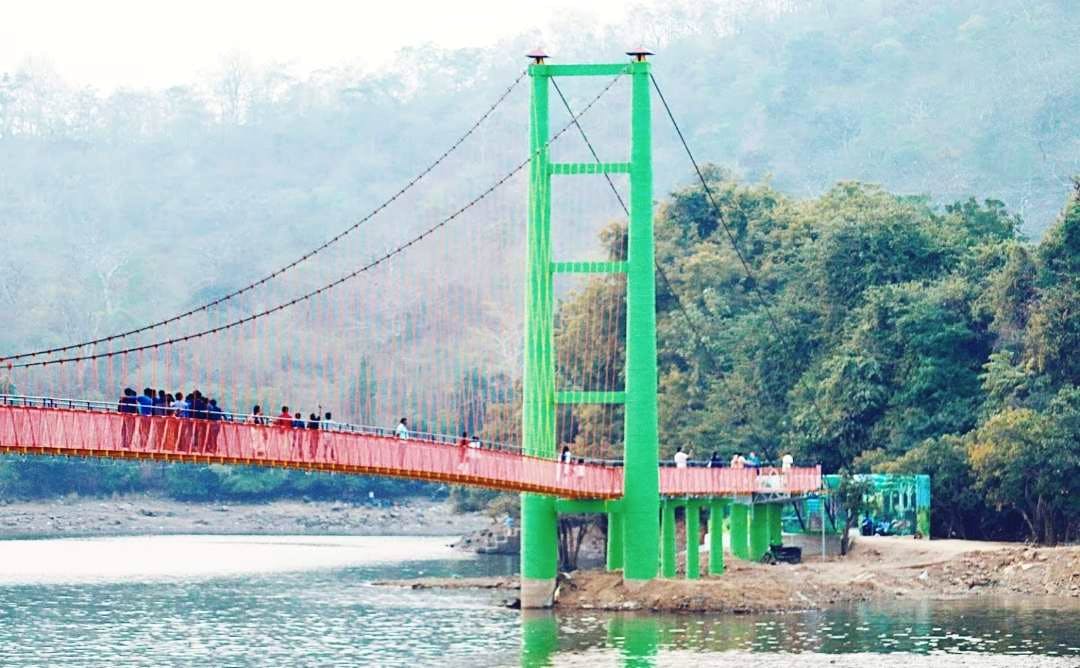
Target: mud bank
(877, 569)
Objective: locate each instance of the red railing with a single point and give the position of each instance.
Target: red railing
(744, 481)
(62, 431)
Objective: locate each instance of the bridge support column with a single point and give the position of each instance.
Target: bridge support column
(614, 540)
(759, 531)
(539, 532)
(716, 537)
(539, 550)
(641, 475)
(739, 543)
(693, 541)
(776, 527)
(667, 554)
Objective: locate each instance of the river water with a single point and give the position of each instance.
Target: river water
(302, 601)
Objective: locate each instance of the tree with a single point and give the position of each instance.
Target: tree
(1018, 463)
(854, 495)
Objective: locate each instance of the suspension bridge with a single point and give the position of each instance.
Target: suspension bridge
(613, 392)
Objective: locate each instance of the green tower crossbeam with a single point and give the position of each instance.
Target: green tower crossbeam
(640, 508)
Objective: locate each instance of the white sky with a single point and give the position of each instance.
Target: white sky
(126, 43)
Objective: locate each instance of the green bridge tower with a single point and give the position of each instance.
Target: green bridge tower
(634, 521)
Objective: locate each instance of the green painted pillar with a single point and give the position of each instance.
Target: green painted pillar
(539, 536)
(740, 546)
(759, 531)
(614, 541)
(641, 480)
(776, 526)
(668, 564)
(716, 537)
(693, 540)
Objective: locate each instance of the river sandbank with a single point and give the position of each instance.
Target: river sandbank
(147, 515)
(877, 568)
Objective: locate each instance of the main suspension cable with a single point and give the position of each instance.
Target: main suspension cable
(309, 295)
(699, 339)
(303, 258)
(730, 236)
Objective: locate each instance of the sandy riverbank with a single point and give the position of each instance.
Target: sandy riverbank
(145, 515)
(877, 569)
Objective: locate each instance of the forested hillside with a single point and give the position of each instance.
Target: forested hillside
(927, 323)
(225, 177)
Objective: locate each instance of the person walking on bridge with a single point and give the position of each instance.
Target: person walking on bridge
(128, 407)
(681, 458)
(258, 436)
(298, 436)
(463, 451)
(402, 429)
(284, 420)
(327, 424)
(313, 435)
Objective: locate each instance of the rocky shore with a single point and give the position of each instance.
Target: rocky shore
(146, 515)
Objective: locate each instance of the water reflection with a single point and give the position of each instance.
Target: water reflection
(973, 627)
(333, 616)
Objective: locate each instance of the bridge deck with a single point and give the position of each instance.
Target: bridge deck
(75, 432)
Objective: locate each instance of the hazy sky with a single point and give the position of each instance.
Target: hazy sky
(114, 43)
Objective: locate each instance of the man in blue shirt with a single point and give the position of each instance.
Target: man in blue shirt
(146, 402)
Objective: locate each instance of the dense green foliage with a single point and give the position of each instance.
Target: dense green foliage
(877, 333)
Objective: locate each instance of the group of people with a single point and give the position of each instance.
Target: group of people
(197, 437)
(682, 460)
(200, 436)
(293, 420)
(160, 402)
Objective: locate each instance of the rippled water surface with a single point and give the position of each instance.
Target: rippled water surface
(267, 601)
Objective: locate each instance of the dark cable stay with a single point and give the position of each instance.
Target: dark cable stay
(306, 296)
(306, 256)
(699, 340)
(727, 232)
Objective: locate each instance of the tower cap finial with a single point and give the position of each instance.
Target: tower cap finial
(639, 53)
(537, 54)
